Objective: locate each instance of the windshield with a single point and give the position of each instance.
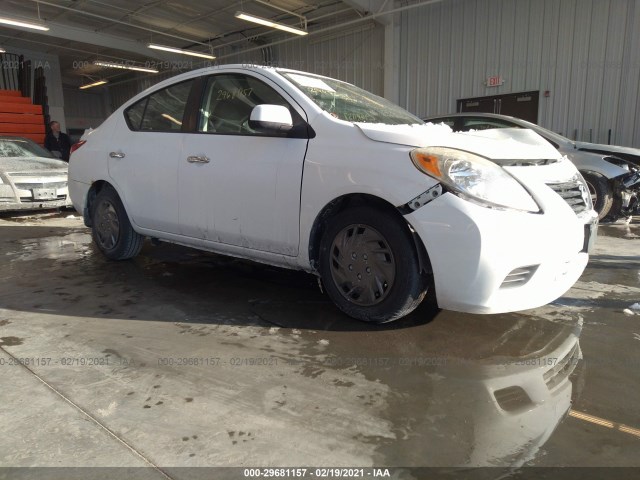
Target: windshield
(21, 148)
(350, 103)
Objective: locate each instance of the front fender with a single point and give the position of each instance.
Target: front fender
(585, 161)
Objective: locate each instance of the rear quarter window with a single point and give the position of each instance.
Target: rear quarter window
(162, 111)
(134, 114)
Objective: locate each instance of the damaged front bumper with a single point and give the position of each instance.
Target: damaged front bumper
(491, 261)
(630, 193)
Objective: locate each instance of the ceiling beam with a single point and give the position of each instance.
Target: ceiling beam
(118, 22)
(367, 7)
(104, 40)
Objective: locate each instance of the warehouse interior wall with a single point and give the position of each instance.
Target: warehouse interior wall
(584, 53)
(84, 109)
(355, 56)
(581, 55)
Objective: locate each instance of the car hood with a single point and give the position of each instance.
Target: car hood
(608, 148)
(31, 164)
(496, 144)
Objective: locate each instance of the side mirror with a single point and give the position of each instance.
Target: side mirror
(270, 119)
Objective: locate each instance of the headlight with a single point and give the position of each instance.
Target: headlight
(584, 189)
(473, 178)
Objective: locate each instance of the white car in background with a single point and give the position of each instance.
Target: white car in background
(30, 177)
(307, 172)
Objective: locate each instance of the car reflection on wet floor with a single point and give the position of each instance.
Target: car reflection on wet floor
(262, 369)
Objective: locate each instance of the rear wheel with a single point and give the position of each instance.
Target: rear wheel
(112, 231)
(601, 193)
(369, 265)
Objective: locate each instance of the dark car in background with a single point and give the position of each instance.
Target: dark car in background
(611, 172)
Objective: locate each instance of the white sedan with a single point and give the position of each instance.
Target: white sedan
(307, 172)
(30, 177)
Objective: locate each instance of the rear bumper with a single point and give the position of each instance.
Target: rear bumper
(78, 194)
(473, 249)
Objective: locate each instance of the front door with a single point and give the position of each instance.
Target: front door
(239, 187)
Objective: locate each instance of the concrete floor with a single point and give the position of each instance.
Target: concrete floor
(181, 358)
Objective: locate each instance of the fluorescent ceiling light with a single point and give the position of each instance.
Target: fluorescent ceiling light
(124, 67)
(2, 50)
(94, 84)
(20, 23)
(181, 51)
(269, 23)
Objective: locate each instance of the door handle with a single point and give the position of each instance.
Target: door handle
(116, 155)
(197, 159)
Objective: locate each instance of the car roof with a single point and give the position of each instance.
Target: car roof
(273, 72)
(483, 115)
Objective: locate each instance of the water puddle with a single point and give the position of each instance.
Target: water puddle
(67, 247)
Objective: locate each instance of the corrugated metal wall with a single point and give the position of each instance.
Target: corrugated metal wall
(586, 53)
(83, 109)
(355, 56)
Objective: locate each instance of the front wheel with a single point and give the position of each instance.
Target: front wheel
(112, 231)
(369, 265)
(601, 193)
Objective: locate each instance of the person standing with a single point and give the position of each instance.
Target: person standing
(58, 142)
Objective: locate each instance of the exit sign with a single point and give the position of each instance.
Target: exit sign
(494, 81)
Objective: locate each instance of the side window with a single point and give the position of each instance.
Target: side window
(166, 108)
(134, 114)
(228, 100)
(161, 111)
(447, 121)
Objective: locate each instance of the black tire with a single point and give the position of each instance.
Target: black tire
(601, 193)
(112, 231)
(379, 248)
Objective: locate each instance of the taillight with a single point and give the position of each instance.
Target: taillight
(76, 146)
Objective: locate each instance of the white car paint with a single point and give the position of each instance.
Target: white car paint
(258, 197)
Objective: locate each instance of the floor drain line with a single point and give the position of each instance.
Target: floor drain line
(91, 417)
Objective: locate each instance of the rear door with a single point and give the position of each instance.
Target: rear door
(144, 156)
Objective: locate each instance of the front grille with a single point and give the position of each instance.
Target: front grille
(31, 186)
(561, 370)
(572, 193)
(42, 200)
(512, 398)
(519, 276)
